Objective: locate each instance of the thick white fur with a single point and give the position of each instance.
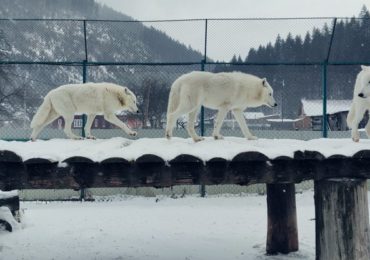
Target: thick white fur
(88, 98)
(360, 103)
(233, 91)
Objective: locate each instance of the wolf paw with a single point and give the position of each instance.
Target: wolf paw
(218, 137)
(252, 137)
(91, 137)
(198, 139)
(355, 136)
(132, 133)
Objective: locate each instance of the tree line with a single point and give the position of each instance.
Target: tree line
(291, 83)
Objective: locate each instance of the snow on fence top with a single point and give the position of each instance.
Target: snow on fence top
(58, 150)
(120, 162)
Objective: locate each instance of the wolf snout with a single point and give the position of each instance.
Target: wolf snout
(138, 111)
(275, 105)
(361, 95)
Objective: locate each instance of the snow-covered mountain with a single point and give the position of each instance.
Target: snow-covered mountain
(63, 41)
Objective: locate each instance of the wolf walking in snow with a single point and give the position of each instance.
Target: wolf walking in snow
(233, 91)
(360, 103)
(89, 98)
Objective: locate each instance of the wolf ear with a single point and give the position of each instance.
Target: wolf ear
(126, 90)
(363, 67)
(121, 100)
(264, 82)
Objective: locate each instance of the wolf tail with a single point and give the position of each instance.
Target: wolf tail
(350, 116)
(174, 99)
(42, 113)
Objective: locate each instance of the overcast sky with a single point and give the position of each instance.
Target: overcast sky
(227, 38)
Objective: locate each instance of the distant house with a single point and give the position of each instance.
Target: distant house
(287, 123)
(254, 120)
(311, 112)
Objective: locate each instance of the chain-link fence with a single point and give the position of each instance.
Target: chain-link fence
(311, 64)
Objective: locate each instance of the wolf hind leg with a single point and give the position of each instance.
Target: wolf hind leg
(37, 129)
(190, 126)
(183, 108)
(68, 120)
(218, 123)
(171, 121)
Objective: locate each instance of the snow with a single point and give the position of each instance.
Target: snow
(314, 107)
(98, 150)
(284, 120)
(8, 194)
(220, 227)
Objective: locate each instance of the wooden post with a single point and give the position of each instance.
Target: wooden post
(342, 219)
(282, 232)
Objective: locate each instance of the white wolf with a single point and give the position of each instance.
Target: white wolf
(233, 91)
(360, 103)
(89, 98)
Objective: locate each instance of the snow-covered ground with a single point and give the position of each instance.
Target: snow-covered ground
(217, 227)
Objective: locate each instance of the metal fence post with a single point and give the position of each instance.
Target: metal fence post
(324, 101)
(324, 83)
(202, 127)
(84, 72)
(84, 77)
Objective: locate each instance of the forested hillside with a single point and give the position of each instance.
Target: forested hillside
(351, 44)
(23, 85)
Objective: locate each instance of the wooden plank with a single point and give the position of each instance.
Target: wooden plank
(83, 170)
(282, 231)
(186, 169)
(151, 171)
(249, 168)
(114, 172)
(342, 219)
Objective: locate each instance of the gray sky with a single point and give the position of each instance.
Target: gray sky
(234, 37)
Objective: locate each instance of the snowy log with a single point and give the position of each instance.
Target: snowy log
(9, 200)
(282, 231)
(342, 219)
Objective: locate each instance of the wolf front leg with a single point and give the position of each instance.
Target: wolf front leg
(89, 121)
(238, 114)
(112, 118)
(360, 111)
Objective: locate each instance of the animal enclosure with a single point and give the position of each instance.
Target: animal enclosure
(311, 64)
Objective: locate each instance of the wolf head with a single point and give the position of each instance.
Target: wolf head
(128, 100)
(364, 82)
(267, 94)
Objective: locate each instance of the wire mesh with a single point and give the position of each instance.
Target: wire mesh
(42, 40)
(293, 54)
(23, 87)
(144, 42)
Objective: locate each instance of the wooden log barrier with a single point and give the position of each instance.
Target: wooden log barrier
(282, 231)
(340, 188)
(342, 219)
(10, 201)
